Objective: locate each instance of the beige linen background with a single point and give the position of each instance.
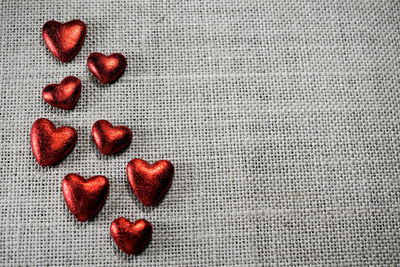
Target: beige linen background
(281, 118)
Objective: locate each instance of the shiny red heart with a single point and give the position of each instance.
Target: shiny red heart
(131, 237)
(150, 182)
(85, 198)
(64, 95)
(106, 68)
(51, 144)
(109, 139)
(64, 40)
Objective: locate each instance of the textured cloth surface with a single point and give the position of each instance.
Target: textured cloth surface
(281, 118)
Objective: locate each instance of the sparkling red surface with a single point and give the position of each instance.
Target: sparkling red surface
(131, 237)
(150, 182)
(64, 95)
(85, 198)
(50, 144)
(109, 139)
(106, 68)
(64, 40)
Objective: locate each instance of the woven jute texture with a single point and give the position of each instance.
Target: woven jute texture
(281, 118)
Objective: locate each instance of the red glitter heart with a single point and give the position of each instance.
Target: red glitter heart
(64, 40)
(150, 182)
(106, 68)
(85, 198)
(64, 95)
(109, 139)
(51, 144)
(131, 237)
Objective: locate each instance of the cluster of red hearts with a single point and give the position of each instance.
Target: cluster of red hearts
(50, 145)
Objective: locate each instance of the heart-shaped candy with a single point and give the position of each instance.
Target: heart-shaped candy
(150, 182)
(51, 144)
(106, 68)
(85, 198)
(64, 95)
(131, 237)
(64, 40)
(109, 139)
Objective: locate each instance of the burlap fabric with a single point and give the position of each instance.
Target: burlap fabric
(281, 118)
